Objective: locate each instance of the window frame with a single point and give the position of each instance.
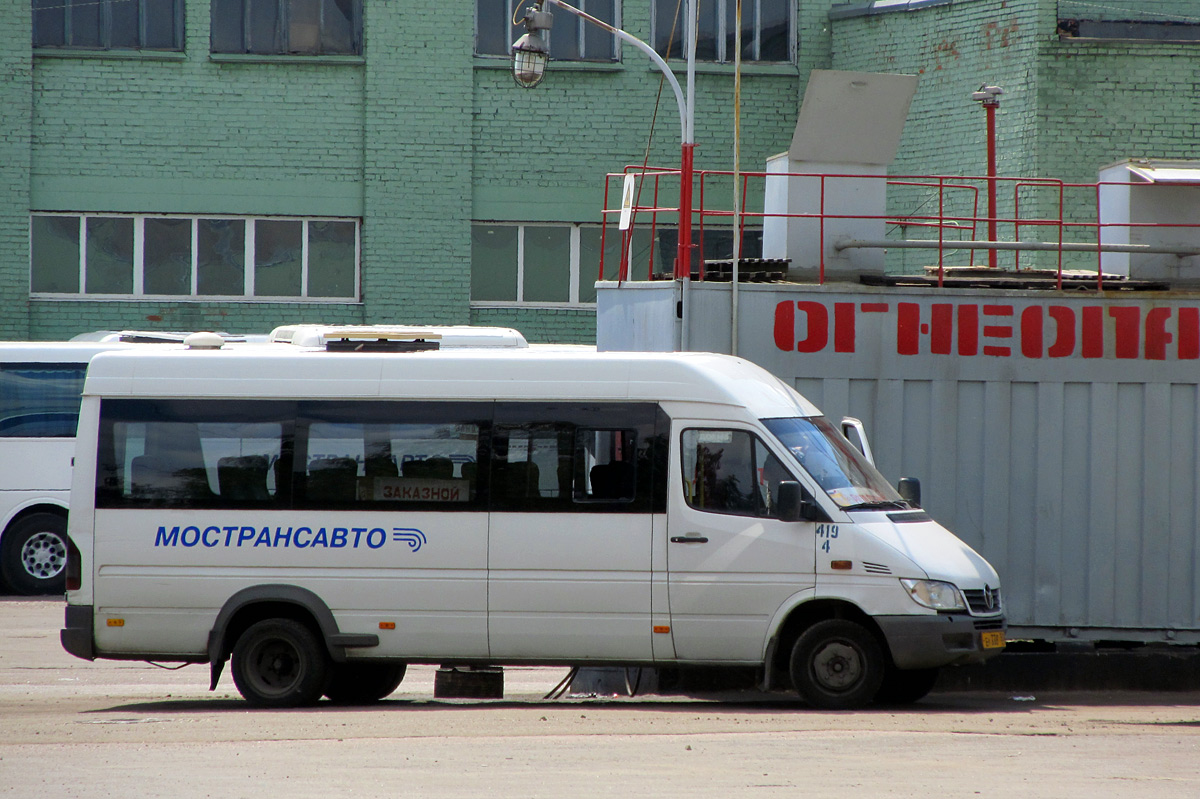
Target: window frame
(248, 267)
(574, 279)
(722, 35)
(580, 32)
(283, 11)
(756, 444)
(105, 30)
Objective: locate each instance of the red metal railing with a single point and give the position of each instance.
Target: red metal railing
(1059, 207)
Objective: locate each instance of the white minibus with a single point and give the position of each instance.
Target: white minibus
(320, 519)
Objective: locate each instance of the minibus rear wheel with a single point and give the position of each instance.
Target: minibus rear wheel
(837, 664)
(280, 663)
(362, 683)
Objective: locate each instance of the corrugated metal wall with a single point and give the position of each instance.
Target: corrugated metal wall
(1082, 495)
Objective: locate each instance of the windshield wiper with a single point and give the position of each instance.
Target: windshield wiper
(881, 505)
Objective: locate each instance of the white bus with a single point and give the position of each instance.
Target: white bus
(322, 519)
(40, 385)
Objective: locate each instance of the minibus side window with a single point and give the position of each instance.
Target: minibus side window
(415, 455)
(584, 457)
(730, 471)
(189, 454)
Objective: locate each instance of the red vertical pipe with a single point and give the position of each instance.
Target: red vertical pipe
(990, 108)
(683, 260)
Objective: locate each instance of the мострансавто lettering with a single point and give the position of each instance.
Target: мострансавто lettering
(235, 536)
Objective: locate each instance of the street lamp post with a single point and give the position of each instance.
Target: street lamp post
(531, 52)
(989, 98)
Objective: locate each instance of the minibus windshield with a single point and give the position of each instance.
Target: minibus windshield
(840, 469)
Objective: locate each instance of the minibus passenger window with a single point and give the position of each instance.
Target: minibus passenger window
(605, 465)
(168, 465)
(193, 454)
(532, 465)
(354, 463)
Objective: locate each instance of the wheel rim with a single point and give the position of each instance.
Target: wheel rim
(276, 667)
(837, 666)
(44, 556)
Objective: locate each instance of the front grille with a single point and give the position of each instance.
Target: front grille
(985, 602)
(989, 624)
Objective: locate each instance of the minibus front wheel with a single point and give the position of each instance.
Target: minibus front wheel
(837, 664)
(280, 663)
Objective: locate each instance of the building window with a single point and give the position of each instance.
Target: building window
(287, 27)
(767, 30)
(537, 264)
(193, 257)
(571, 39)
(108, 24)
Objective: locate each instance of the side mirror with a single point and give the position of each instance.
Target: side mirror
(856, 433)
(910, 490)
(794, 507)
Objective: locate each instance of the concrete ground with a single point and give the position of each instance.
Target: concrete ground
(69, 728)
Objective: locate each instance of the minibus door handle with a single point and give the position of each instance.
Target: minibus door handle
(688, 539)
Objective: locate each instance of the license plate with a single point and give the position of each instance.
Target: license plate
(993, 640)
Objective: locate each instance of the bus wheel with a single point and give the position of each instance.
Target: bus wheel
(280, 663)
(836, 665)
(33, 559)
(362, 683)
(905, 686)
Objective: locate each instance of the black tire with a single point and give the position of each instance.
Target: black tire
(905, 686)
(837, 665)
(33, 558)
(280, 663)
(363, 683)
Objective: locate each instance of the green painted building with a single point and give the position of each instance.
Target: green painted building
(239, 164)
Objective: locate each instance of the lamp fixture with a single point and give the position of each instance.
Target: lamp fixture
(531, 52)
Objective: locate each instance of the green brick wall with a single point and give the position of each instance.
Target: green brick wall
(16, 109)
(954, 49)
(1070, 106)
(417, 162)
(418, 138)
(1102, 102)
(542, 326)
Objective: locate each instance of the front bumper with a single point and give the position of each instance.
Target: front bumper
(927, 642)
(76, 634)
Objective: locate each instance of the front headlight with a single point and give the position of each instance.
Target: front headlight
(934, 594)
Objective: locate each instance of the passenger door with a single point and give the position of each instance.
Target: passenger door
(569, 554)
(731, 562)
